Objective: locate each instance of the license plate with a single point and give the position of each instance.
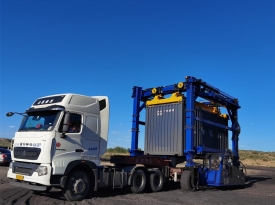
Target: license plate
(19, 177)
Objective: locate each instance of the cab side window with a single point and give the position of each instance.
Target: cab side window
(72, 123)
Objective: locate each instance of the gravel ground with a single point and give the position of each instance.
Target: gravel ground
(260, 189)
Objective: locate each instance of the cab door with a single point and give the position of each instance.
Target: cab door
(67, 145)
(90, 137)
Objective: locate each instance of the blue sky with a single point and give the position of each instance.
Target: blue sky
(107, 47)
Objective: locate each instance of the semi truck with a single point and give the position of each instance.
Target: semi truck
(62, 137)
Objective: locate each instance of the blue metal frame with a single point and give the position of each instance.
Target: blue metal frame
(190, 121)
(137, 93)
(194, 88)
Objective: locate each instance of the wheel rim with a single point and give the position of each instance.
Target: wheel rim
(79, 186)
(138, 181)
(157, 180)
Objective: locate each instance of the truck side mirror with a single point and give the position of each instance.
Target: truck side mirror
(10, 114)
(65, 128)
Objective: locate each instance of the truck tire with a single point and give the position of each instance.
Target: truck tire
(156, 180)
(186, 181)
(138, 182)
(77, 186)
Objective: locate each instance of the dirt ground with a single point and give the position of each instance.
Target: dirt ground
(260, 189)
(255, 162)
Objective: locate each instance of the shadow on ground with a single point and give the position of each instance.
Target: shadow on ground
(109, 192)
(250, 182)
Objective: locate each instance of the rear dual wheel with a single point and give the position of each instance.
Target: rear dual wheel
(156, 180)
(138, 182)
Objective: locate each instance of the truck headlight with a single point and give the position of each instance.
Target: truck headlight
(10, 166)
(42, 170)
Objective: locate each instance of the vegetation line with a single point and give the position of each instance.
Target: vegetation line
(248, 157)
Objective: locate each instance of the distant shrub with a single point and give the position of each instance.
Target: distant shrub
(255, 152)
(121, 150)
(271, 154)
(117, 150)
(4, 142)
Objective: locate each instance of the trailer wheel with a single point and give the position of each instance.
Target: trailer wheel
(77, 186)
(156, 180)
(186, 181)
(138, 182)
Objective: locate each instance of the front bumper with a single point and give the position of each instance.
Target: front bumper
(24, 175)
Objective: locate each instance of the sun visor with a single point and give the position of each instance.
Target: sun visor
(49, 108)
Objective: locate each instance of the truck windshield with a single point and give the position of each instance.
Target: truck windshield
(40, 121)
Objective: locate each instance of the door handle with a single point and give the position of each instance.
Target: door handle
(79, 150)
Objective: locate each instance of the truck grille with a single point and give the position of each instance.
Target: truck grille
(24, 168)
(26, 153)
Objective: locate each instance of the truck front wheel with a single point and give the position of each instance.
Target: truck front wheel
(77, 186)
(138, 183)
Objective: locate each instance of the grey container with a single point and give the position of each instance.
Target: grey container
(165, 133)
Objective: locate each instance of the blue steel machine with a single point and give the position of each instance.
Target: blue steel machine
(220, 166)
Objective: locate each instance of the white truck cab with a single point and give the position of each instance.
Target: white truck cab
(60, 135)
